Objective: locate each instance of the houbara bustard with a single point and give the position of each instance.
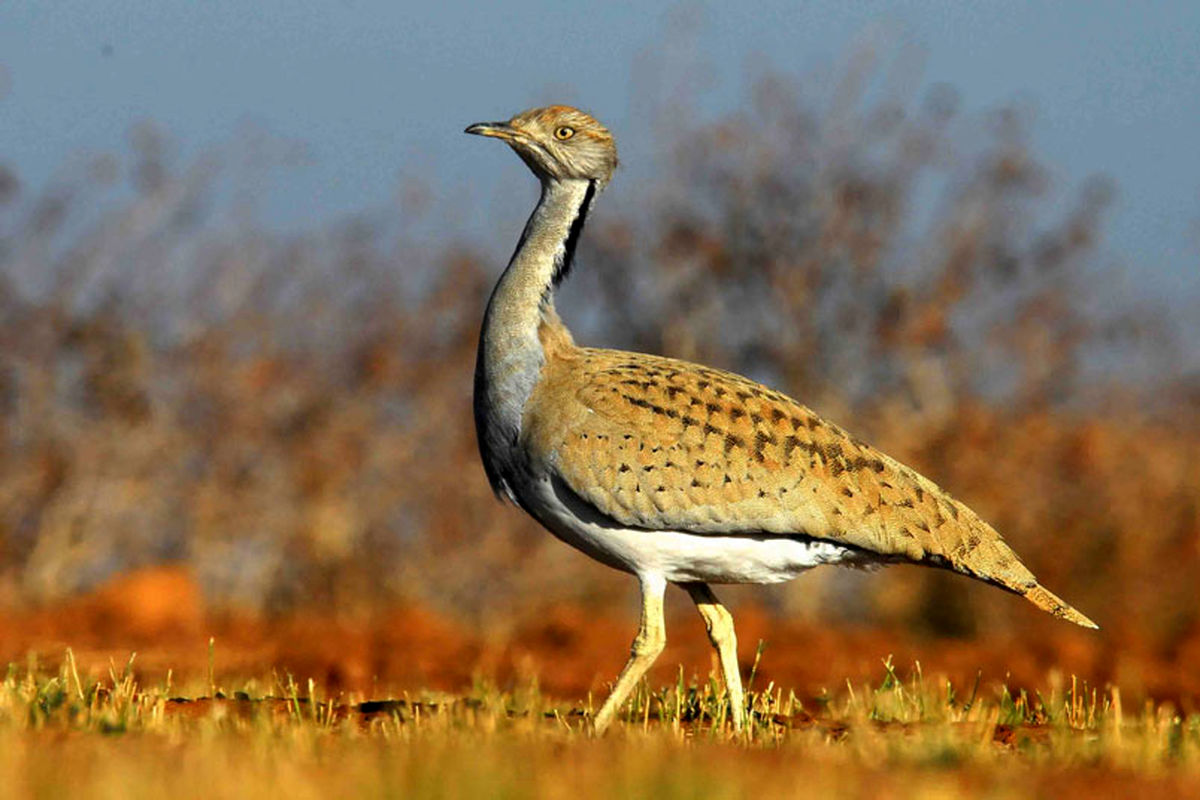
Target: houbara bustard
(676, 472)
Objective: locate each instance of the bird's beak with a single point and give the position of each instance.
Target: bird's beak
(498, 130)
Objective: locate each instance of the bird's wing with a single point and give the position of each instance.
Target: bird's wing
(662, 444)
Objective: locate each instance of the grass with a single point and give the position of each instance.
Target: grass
(904, 735)
(179, 384)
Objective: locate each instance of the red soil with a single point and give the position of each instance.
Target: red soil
(160, 614)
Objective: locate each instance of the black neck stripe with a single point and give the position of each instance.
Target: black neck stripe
(563, 267)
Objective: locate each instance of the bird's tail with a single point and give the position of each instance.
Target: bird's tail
(995, 562)
(1051, 603)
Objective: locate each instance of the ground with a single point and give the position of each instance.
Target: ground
(410, 704)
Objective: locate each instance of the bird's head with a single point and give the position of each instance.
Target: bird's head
(558, 143)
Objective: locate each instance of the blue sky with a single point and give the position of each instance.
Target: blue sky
(378, 90)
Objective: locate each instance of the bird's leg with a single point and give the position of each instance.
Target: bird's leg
(649, 642)
(719, 622)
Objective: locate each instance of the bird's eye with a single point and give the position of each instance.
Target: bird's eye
(563, 133)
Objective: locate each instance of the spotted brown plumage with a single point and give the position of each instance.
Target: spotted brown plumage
(657, 443)
(676, 472)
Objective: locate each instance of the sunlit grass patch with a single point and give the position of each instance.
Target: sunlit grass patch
(112, 735)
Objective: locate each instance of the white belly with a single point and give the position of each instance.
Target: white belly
(678, 556)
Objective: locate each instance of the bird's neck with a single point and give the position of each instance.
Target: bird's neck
(520, 318)
(525, 292)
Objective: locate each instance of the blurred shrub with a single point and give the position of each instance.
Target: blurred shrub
(291, 415)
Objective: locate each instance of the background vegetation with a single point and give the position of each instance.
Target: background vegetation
(287, 416)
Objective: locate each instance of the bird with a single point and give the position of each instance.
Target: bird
(675, 472)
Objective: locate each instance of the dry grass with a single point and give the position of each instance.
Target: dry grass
(288, 419)
(901, 736)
